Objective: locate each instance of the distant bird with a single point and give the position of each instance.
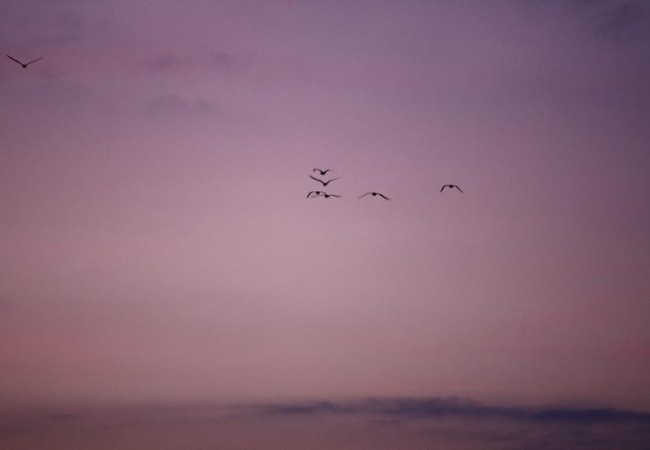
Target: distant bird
(325, 183)
(323, 172)
(450, 186)
(322, 194)
(22, 63)
(374, 194)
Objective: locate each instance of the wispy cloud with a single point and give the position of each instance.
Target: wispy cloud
(467, 424)
(361, 424)
(207, 61)
(224, 60)
(65, 416)
(30, 27)
(175, 104)
(622, 17)
(458, 408)
(166, 61)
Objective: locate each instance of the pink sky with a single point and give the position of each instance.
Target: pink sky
(156, 243)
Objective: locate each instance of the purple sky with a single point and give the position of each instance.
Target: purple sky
(156, 243)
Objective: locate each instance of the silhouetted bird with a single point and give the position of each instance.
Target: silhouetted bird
(322, 194)
(450, 186)
(323, 172)
(325, 183)
(374, 194)
(22, 63)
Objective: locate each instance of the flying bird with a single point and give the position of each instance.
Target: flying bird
(325, 183)
(322, 194)
(450, 186)
(374, 194)
(22, 63)
(323, 172)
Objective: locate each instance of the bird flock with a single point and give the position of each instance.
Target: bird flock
(313, 194)
(324, 183)
(321, 172)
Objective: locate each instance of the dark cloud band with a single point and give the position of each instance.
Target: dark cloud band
(456, 408)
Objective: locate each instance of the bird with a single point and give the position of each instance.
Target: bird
(374, 194)
(322, 194)
(323, 172)
(450, 186)
(325, 183)
(22, 63)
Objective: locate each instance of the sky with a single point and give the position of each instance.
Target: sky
(156, 244)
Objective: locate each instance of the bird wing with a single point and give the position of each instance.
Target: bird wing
(365, 194)
(461, 191)
(382, 195)
(443, 187)
(313, 192)
(321, 181)
(334, 195)
(325, 183)
(14, 59)
(37, 59)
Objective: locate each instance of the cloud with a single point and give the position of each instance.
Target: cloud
(174, 104)
(64, 416)
(622, 17)
(437, 422)
(614, 20)
(68, 28)
(223, 60)
(167, 61)
(458, 408)
(209, 61)
(440, 421)
(31, 26)
(47, 89)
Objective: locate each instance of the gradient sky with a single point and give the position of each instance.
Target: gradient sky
(156, 243)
